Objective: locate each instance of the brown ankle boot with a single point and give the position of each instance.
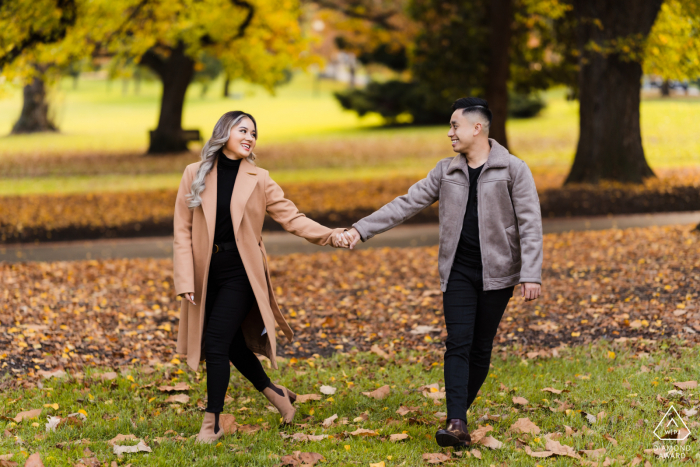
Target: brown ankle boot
(454, 434)
(207, 433)
(283, 402)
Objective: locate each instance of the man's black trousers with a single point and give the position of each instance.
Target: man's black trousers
(229, 300)
(472, 316)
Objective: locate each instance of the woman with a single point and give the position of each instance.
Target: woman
(229, 309)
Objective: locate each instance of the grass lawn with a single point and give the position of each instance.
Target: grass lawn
(304, 136)
(626, 386)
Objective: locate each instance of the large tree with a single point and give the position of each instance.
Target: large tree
(610, 39)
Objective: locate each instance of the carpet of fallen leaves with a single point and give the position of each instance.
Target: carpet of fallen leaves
(53, 217)
(613, 284)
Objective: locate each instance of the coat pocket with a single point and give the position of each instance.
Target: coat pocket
(514, 243)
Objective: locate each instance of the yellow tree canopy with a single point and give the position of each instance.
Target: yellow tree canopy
(673, 47)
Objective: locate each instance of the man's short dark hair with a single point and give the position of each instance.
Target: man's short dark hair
(473, 104)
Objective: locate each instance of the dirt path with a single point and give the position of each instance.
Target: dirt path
(282, 243)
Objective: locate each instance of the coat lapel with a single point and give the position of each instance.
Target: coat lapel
(209, 202)
(246, 180)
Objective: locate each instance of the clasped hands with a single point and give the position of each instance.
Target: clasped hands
(347, 239)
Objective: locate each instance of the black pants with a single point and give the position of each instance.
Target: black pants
(472, 318)
(229, 300)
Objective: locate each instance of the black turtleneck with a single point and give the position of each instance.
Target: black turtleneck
(226, 172)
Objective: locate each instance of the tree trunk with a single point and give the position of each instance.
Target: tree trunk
(610, 141)
(665, 88)
(35, 110)
(227, 86)
(176, 73)
(501, 21)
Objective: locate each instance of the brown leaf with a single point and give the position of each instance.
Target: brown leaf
(301, 398)
(435, 458)
(301, 458)
(109, 376)
(520, 401)
(182, 386)
(524, 425)
(34, 461)
(228, 423)
(380, 393)
(406, 410)
(304, 437)
(479, 433)
(249, 429)
(490, 442)
(26, 415)
(532, 453)
(398, 437)
(363, 432)
(375, 349)
(638, 459)
(179, 398)
(593, 453)
(559, 449)
(120, 437)
(476, 453)
(50, 374)
(552, 390)
(612, 440)
(686, 385)
(329, 421)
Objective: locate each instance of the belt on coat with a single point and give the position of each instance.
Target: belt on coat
(224, 246)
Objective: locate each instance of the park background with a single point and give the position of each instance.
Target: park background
(105, 103)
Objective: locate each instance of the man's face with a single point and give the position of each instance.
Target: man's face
(461, 132)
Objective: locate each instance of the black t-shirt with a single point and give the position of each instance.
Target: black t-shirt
(469, 248)
(226, 172)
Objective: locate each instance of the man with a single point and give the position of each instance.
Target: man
(490, 240)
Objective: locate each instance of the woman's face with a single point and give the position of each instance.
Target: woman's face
(241, 141)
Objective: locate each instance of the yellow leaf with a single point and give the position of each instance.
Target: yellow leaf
(347, 447)
(175, 361)
(82, 412)
(53, 406)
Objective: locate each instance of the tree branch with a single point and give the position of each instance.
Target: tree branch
(67, 19)
(249, 17)
(354, 9)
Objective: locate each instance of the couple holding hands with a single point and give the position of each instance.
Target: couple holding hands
(490, 241)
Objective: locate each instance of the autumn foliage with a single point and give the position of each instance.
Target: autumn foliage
(597, 285)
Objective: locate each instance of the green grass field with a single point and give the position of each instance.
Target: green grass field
(304, 135)
(625, 388)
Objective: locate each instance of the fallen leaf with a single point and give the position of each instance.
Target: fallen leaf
(301, 458)
(34, 461)
(29, 414)
(524, 425)
(52, 423)
(51, 374)
(435, 458)
(375, 349)
(363, 432)
(532, 453)
(179, 398)
(304, 437)
(182, 386)
(590, 417)
(120, 437)
(327, 390)
(228, 423)
(552, 390)
(612, 440)
(301, 398)
(329, 421)
(141, 446)
(686, 385)
(593, 453)
(398, 437)
(378, 464)
(476, 453)
(559, 449)
(380, 393)
(406, 410)
(109, 376)
(636, 461)
(422, 329)
(490, 442)
(520, 401)
(479, 433)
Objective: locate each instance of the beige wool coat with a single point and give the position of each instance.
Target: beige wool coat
(254, 194)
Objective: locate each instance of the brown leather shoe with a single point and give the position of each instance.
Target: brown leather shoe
(282, 398)
(454, 434)
(207, 433)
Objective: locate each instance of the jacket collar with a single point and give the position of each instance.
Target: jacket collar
(498, 158)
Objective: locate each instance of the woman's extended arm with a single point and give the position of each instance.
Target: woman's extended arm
(285, 212)
(183, 261)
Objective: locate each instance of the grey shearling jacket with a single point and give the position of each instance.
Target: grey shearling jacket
(510, 223)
